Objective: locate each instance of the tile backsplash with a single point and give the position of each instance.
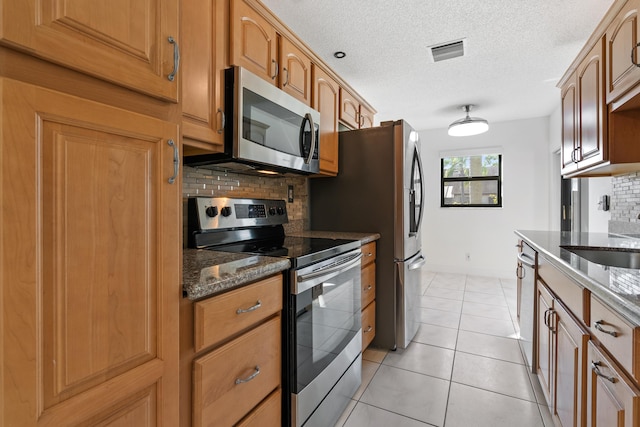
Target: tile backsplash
(205, 182)
(625, 204)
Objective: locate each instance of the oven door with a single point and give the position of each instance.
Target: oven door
(325, 317)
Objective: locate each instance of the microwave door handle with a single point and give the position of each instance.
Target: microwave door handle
(307, 117)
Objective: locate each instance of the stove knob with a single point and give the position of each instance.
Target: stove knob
(280, 210)
(226, 211)
(212, 211)
(272, 211)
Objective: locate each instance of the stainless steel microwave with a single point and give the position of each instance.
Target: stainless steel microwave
(265, 129)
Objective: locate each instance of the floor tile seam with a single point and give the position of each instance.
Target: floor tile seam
(488, 317)
(486, 303)
(396, 413)
(429, 308)
(492, 358)
(449, 299)
(453, 363)
(496, 392)
(420, 373)
(485, 333)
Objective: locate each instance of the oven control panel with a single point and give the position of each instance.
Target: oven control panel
(217, 213)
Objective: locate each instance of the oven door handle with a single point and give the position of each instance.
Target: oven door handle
(343, 266)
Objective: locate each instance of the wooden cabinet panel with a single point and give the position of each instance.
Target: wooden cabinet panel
(225, 391)
(326, 99)
(295, 69)
(94, 321)
(254, 43)
(204, 41)
(592, 109)
(622, 38)
(612, 399)
(569, 101)
(267, 414)
(621, 339)
(366, 117)
(545, 348)
(368, 253)
(101, 38)
(368, 293)
(569, 292)
(349, 109)
(220, 317)
(570, 342)
(368, 324)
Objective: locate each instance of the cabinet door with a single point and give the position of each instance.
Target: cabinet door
(571, 343)
(569, 126)
(90, 287)
(104, 38)
(612, 399)
(545, 349)
(295, 71)
(591, 109)
(621, 39)
(349, 109)
(254, 43)
(326, 98)
(204, 40)
(366, 117)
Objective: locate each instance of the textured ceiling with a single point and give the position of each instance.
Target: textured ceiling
(516, 51)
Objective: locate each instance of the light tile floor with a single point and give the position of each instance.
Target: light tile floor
(463, 368)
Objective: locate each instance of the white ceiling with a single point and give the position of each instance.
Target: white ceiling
(516, 51)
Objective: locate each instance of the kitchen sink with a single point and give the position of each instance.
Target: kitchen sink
(612, 257)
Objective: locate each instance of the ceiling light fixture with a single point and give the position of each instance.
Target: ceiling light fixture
(469, 125)
(339, 54)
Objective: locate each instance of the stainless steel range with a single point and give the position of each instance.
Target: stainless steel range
(322, 335)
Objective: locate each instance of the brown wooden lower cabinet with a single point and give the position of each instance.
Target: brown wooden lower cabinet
(561, 359)
(231, 357)
(586, 369)
(368, 293)
(612, 398)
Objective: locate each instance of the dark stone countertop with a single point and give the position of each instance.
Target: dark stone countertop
(363, 237)
(617, 287)
(206, 273)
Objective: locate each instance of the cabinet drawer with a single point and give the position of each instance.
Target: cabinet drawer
(625, 345)
(612, 399)
(231, 380)
(267, 414)
(220, 317)
(569, 292)
(368, 253)
(368, 324)
(368, 293)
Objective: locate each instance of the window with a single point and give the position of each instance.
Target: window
(471, 180)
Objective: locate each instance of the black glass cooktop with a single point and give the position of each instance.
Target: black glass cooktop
(301, 251)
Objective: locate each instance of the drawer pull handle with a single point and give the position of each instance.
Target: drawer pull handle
(370, 254)
(247, 310)
(598, 326)
(369, 329)
(596, 370)
(250, 377)
(368, 288)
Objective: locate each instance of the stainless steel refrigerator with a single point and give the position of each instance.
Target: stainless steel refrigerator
(379, 188)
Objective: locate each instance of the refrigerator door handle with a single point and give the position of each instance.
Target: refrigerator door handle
(417, 264)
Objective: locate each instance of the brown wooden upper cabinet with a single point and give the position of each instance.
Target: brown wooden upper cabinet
(103, 39)
(352, 112)
(204, 28)
(583, 114)
(622, 38)
(257, 46)
(326, 99)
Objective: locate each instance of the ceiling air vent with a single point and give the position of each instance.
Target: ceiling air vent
(448, 50)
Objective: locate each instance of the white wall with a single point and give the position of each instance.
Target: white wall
(598, 219)
(487, 234)
(555, 141)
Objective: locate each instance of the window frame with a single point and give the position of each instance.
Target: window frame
(496, 178)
